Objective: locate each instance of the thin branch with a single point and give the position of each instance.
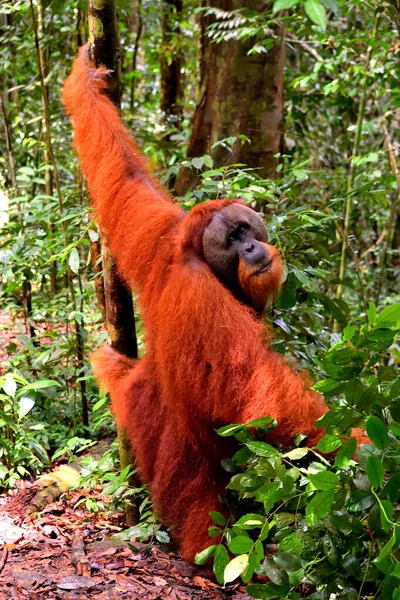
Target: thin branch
(306, 47)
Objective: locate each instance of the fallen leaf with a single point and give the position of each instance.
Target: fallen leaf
(204, 584)
(77, 582)
(159, 581)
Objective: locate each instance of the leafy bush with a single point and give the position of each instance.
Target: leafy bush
(311, 526)
(23, 441)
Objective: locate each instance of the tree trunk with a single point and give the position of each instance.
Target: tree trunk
(118, 297)
(135, 23)
(240, 94)
(171, 63)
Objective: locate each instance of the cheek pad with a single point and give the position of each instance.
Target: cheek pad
(222, 260)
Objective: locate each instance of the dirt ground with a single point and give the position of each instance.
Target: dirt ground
(39, 551)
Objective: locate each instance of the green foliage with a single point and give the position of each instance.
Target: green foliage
(23, 440)
(149, 528)
(334, 522)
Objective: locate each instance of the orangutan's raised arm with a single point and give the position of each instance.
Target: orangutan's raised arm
(133, 210)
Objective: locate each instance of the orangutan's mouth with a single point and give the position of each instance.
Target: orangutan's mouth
(265, 267)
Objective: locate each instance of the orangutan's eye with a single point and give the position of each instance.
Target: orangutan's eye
(237, 233)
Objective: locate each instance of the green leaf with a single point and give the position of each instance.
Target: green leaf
(301, 175)
(251, 567)
(245, 481)
(208, 161)
(330, 549)
(266, 591)
(395, 428)
(348, 332)
(163, 537)
(346, 453)
(198, 162)
(360, 501)
(228, 465)
(329, 443)
(389, 316)
(291, 543)
(385, 565)
(270, 491)
(319, 506)
(392, 488)
(235, 567)
(295, 577)
(9, 385)
(324, 480)
(259, 552)
(396, 570)
(395, 389)
(371, 313)
(368, 397)
(341, 522)
(316, 12)
(93, 235)
(326, 385)
(73, 260)
(221, 559)
(287, 561)
(250, 521)
(387, 548)
(261, 422)
(25, 405)
(240, 544)
(332, 5)
(386, 509)
(241, 456)
(218, 518)
(375, 470)
(229, 430)
(396, 592)
(202, 557)
(283, 5)
(377, 432)
(353, 391)
(3, 471)
(99, 404)
(214, 531)
(352, 565)
(26, 171)
(42, 384)
(379, 339)
(261, 448)
(296, 454)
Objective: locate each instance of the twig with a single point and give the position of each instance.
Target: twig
(306, 46)
(135, 53)
(78, 556)
(375, 244)
(3, 559)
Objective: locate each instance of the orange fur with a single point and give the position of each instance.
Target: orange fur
(260, 288)
(206, 364)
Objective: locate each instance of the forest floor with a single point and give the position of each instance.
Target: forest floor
(65, 552)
